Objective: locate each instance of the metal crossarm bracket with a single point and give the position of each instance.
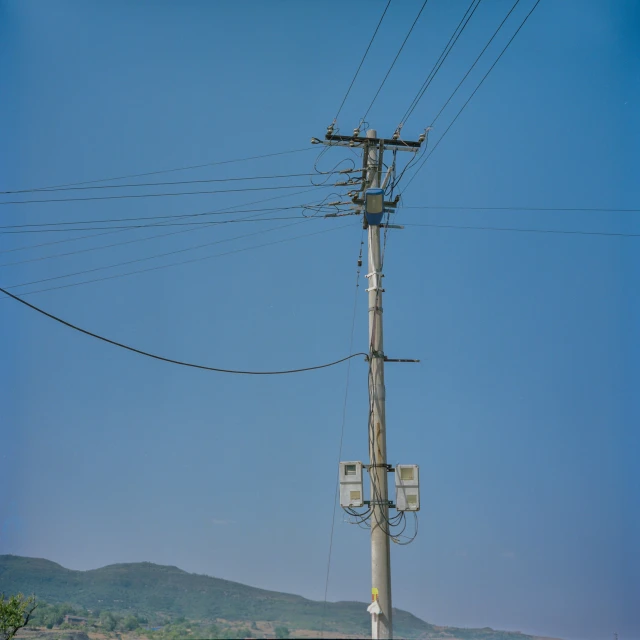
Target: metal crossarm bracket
(353, 141)
(392, 204)
(388, 467)
(387, 503)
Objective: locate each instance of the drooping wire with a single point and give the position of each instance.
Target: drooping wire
(362, 120)
(331, 172)
(171, 360)
(471, 96)
(346, 95)
(342, 427)
(440, 61)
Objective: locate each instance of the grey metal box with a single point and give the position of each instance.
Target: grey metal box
(351, 484)
(407, 487)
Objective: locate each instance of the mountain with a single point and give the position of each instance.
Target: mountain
(155, 590)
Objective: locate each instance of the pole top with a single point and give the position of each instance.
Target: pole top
(372, 133)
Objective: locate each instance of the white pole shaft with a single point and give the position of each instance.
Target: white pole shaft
(380, 542)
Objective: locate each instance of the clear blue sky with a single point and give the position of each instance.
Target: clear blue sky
(523, 414)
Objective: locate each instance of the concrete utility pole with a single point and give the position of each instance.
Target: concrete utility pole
(372, 185)
(380, 542)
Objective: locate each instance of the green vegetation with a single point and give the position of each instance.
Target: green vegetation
(166, 603)
(15, 613)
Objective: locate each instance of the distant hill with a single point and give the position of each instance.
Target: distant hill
(153, 590)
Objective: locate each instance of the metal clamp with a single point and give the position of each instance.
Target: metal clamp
(380, 465)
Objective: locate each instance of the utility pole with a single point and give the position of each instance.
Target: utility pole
(380, 542)
(371, 183)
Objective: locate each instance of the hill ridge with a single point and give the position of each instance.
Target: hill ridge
(170, 592)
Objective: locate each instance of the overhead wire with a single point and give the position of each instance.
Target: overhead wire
(346, 95)
(366, 113)
(440, 61)
(182, 262)
(163, 184)
(554, 209)
(171, 360)
(153, 195)
(159, 255)
(187, 168)
(495, 33)
(173, 216)
(471, 96)
(174, 224)
(230, 208)
(342, 427)
(551, 231)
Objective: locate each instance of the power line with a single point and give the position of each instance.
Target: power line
(495, 33)
(564, 232)
(394, 61)
(106, 233)
(441, 59)
(170, 224)
(344, 419)
(471, 96)
(170, 360)
(193, 166)
(555, 209)
(362, 61)
(315, 206)
(182, 262)
(157, 195)
(180, 216)
(117, 244)
(162, 184)
(159, 255)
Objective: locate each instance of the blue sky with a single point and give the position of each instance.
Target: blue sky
(523, 412)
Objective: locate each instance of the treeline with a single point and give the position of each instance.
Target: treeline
(55, 615)
(67, 616)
